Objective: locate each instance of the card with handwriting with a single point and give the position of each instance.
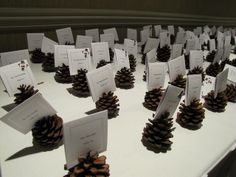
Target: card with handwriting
(232, 73)
(144, 35)
(122, 59)
(48, 45)
(94, 33)
(132, 34)
(131, 47)
(100, 51)
(176, 67)
(195, 59)
(177, 50)
(78, 59)
(34, 41)
(23, 117)
(151, 44)
(60, 54)
(157, 29)
(164, 39)
(83, 135)
(109, 38)
(221, 81)
(83, 42)
(14, 56)
(113, 31)
(64, 36)
(101, 81)
(152, 56)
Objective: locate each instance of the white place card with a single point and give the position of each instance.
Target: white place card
(170, 101)
(195, 59)
(144, 35)
(197, 44)
(60, 54)
(180, 38)
(83, 42)
(171, 29)
(151, 44)
(219, 55)
(213, 30)
(152, 56)
(14, 56)
(94, 33)
(227, 40)
(16, 74)
(157, 29)
(220, 43)
(193, 88)
(34, 40)
(220, 35)
(113, 31)
(232, 73)
(221, 81)
(100, 52)
(101, 81)
(226, 53)
(176, 67)
(78, 59)
(24, 116)
(132, 34)
(83, 135)
(48, 45)
(181, 29)
(164, 39)
(122, 59)
(212, 45)
(64, 36)
(109, 38)
(190, 45)
(155, 75)
(131, 47)
(149, 28)
(176, 50)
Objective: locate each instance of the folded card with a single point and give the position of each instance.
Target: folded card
(196, 59)
(100, 51)
(60, 54)
(151, 44)
(48, 45)
(149, 28)
(191, 44)
(176, 67)
(14, 56)
(34, 40)
(94, 33)
(64, 36)
(122, 59)
(113, 31)
(109, 38)
(212, 45)
(171, 29)
(164, 39)
(221, 81)
(84, 135)
(227, 40)
(131, 47)
(23, 117)
(132, 34)
(144, 35)
(232, 73)
(176, 51)
(218, 55)
(152, 56)
(83, 42)
(157, 29)
(180, 38)
(226, 53)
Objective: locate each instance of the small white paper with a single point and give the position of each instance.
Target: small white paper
(83, 42)
(164, 39)
(157, 29)
(100, 52)
(226, 53)
(113, 31)
(48, 45)
(101, 81)
(221, 81)
(144, 35)
(24, 116)
(65, 35)
(83, 135)
(196, 59)
(109, 38)
(227, 40)
(14, 56)
(232, 73)
(176, 67)
(155, 75)
(212, 45)
(34, 40)
(171, 29)
(79, 59)
(131, 47)
(180, 38)
(151, 44)
(218, 56)
(176, 50)
(94, 33)
(220, 43)
(152, 56)
(132, 34)
(16, 74)
(122, 59)
(190, 45)
(61, 55)
(149, 28)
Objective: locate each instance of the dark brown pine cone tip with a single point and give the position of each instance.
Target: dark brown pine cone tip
(132, 62)
(223, 63)
(63, 75)
(198, 70)
(186, 58)
(163, 54)
(37, 56)
(180, 81)
(230, 93)
(233, 62)
(26, 91)
(48, 63)
(101, 63)
(213, 69)
(143, 58)
(217, 104)
(210, 56)
(124, 79)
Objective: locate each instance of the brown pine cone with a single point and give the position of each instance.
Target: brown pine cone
(124, 79)
(143, 58)
(197, 70)
(25, 93)
(163, 54)
(63, 74)
(80, 84)
(191, 116)
(132, 62)
(153, 98)
(108, 102)
(111, 53)
(101, 63)
(233, 62)
(213, 69)
(217, 104)
(157, 133)
(48, 63)
(145, 76)
(180, 81)
(230, 92)
(210, 56)
(37, 56)
(186, 58)
(48, 132)
(91, 166)
(223, 63)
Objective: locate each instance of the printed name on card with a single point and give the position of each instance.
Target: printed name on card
(113, 31)
(108, 38)
(131, 47)
(34, 40)
(65, 36)
(176, 67)
(122, 59)
(83, 42)
(196, 59)
(100, 51)
(60, 54)
(94, 33)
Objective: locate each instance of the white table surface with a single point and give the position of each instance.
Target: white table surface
(192, 154)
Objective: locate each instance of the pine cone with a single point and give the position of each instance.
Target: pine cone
(145, 76)
(142, 48)
(111, 53)
(80, 84)
(206, 46)
(91, 166)
(191, 116)
(37, 56)
(108, 101)
(223, 63)
(132, 62)
(217, 104)
(172, 39)
(163, 54)
(48, 63)
(180, 81)
(153, 98)
(230, 92)
(232, 41)
(233, 62)
(157, 133)
(210, 56)
(101, 63)
(143, 58)
(124, 79)
(25, 93)
(48, 132)
(197, 70)
(63, 74)
(213, 69)
(186, 58)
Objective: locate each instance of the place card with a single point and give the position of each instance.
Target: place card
(226, 52)
(180, 38)
(151, 44)
(191, 44)
(144, 35)
(180, 29)
(48, 45)
(196, 59)
(164, 39)
(131, 47)
(157, 29)
(152, 56)
(14, 56)
(84, 135)
(221, 81)
(60, 54)
(219, 55)
(171, 29)
(109, 38)
(149, 28)
(122, 59)
(64, 36)
(132, 34)
(176, 51)
(94, 33)
(212, 45)
(232, 73)
(24, 116)
(113, 31)
(101, 81)
(206, 29)
(83, 42)
(100, 52)
(176, 67)
(227, 40)
(34, 40)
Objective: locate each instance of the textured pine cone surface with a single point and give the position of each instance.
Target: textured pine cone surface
(163, 54)
(180, 81)
(108, 101)
(223, 63)
(111, 53)
(26, 91)
(90, 166)
(124, 79)
(186, 58)
(63, 74)
(191, 116)
(152, 98)
(37, 56)
(210, 56)
(230, 93)
(132, 62)
(80, 84)
(217, 104)
(48, 132)
(48, 63)
(145, 76)
(101, 63)
(197, 70)
(233, 62)
(143, 58)
(213, 69)
(157, 134)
